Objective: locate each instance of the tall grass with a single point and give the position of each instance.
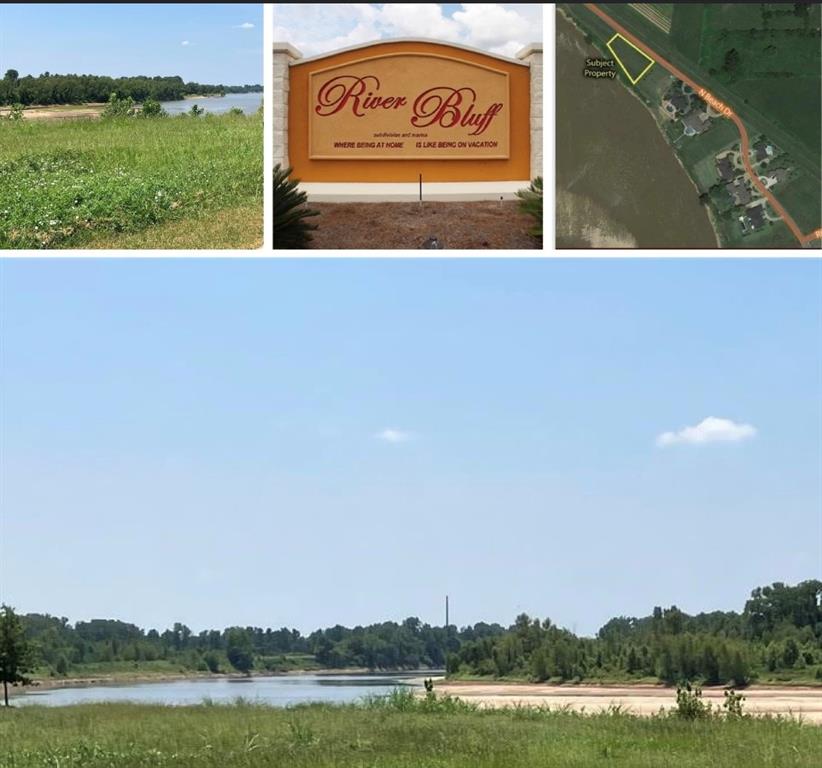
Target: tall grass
(65, 183)
(398, 732)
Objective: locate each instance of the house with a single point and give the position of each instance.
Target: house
(725, 168)
(679, 103)
(739, 191)
(756, 217)
(762, 150)
(695, 122)
(775, 175)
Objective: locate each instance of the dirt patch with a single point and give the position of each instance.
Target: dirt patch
(60, 112)
(474, 225)
(640, 700)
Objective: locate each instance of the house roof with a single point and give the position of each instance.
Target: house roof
(696, 121)
(756, 216)
(725, 168)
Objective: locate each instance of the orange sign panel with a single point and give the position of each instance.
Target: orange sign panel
(408, 106)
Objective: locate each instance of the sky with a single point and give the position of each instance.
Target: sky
(501, 28)
(306, 443)
(205, 43)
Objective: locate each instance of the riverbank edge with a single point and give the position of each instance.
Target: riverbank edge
(804, 685)
(419, 676)
(711, 219)
(50, 683)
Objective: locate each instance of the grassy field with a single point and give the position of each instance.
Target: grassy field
(634, 61)
(394, 734)
(168, 183)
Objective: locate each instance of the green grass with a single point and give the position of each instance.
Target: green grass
(636, 62)
(393, 734)
(686, 28)
(78, 184)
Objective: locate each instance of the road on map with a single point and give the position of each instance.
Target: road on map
(725, 110)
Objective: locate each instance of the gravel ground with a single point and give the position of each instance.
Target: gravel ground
(474, 225)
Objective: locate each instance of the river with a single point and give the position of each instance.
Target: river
(248, 102)
(280, 691)
(619, 184)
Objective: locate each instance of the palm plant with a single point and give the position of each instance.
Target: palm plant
(531, 203)
(291, 230)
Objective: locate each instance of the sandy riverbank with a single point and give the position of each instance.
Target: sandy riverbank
(639, 699)
(60, 112)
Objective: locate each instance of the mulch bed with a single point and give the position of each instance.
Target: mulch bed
(475, 225)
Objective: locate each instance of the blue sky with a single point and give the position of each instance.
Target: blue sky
(502, 28)
(306, 443)
(203, 42)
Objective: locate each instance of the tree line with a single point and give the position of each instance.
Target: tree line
(778, 634)
(51, 89)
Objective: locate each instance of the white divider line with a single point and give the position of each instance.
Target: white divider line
(268, 127)
(549, 126)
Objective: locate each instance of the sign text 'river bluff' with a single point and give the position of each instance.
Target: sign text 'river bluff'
(366, 109)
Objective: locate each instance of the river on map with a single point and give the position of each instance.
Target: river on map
(280, 691)
(619, 184)
(248, 102)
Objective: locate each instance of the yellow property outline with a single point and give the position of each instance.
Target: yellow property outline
(633, 80)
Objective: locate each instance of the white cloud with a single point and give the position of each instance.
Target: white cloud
(418, 20)
(501, 28)
(393, 436)
(244, 25)
(185, 43)
(710, 430)
(492, 24)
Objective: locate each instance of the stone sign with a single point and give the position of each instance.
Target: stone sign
(409, 106)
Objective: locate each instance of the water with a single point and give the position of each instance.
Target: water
(248, 102)
(278, 691)
(619, 183)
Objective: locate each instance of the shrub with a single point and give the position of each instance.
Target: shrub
(16, 112)
(153, 108)
(291, 230)
(531, 203)
(236, 111)
(689, 704)
(119, 107)
(733, 703)
(195, 111)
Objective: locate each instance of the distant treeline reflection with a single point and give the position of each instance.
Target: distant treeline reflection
(47, 89)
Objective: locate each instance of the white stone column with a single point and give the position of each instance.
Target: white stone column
(532, 54)
(284, 54)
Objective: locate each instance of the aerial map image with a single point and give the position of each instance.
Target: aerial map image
(689, 125)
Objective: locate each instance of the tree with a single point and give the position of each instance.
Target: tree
(239, 651)
(12, 75)
(16, 656)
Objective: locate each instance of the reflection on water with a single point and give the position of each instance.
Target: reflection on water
(280, 691)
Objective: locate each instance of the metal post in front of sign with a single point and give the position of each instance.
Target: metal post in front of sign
(420, 189)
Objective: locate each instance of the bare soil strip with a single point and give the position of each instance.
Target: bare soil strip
(60, 112)
(638, 699)
(475, 225)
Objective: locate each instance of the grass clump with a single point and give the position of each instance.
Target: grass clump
(68, 184)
